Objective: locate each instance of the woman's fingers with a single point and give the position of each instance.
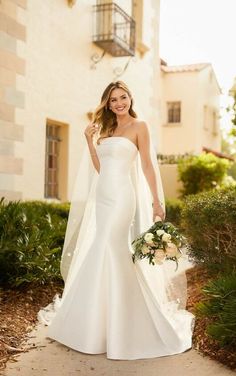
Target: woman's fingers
(90, 129)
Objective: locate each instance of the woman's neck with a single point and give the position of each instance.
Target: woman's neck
(123, 120)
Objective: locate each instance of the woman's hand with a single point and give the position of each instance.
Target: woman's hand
(90, 131)
(158, 211)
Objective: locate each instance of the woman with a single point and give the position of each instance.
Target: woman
(118, 119)
(110, 305)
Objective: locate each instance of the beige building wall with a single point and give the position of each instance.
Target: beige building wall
(62, 84)
(209, 109)
(197, 90)
(12, 95)
(171, 184)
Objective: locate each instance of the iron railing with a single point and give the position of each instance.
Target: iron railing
(114, 30)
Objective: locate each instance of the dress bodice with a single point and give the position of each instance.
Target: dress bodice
(116, 155)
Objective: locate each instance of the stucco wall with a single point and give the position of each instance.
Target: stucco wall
(60, 84)
(171, 185)
(209, 97)
(195, 90)
(12, 96)
(177, 87)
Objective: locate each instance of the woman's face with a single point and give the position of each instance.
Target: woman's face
(119, 101)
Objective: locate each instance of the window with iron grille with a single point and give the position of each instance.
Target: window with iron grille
(174, 112)
(114, 29)
(52, 161)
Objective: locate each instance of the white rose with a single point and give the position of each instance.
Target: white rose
(145, 250)
(166, 237)
(160, 232)
(148, 237)
(171, 250)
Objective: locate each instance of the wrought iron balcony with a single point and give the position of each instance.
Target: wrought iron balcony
(114, 30)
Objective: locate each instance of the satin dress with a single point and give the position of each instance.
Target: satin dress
(106, 309)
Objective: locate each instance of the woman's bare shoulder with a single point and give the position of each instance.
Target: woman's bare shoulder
(141, 126)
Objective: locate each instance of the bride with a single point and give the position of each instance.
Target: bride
(109, 304)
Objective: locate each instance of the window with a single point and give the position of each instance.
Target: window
(56, 160)
(174, 112)
(210, 122)
(205, 117)
(214, 123)
(52, 160)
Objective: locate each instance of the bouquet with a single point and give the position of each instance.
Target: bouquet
(161, 242)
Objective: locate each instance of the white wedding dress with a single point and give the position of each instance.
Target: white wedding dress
(108, 306)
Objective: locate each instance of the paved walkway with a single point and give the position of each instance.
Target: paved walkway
(54, 359)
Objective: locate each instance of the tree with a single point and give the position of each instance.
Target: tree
(232, 109)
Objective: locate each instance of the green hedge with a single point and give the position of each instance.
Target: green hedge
(209, 222)
(31, 240)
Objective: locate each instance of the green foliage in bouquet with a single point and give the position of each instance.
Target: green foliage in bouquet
(161, 242)
(220, 305)
(202, 173)
(209, 223)
(31, 240)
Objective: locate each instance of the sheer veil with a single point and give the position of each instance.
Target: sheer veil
(163, 285)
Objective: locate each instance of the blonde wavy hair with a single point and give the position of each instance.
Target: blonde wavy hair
(103, 116)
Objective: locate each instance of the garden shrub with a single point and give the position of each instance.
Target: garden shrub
(220, 305)
(31, 240)
(202, 173)
(172, 158)
(209, 222)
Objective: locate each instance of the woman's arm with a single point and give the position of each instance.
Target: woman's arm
(148, 169)
(89, 133)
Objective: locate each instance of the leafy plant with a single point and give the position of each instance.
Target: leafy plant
(31, 240)
(202, 173)
(220, 305)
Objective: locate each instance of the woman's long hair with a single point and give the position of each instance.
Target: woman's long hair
(103, 116)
